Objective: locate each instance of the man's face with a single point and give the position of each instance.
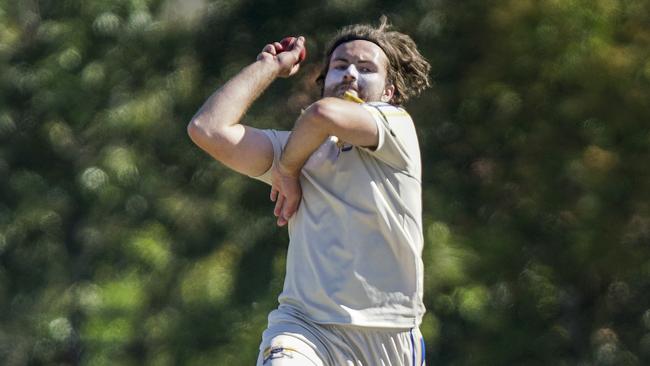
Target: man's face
(361, 67)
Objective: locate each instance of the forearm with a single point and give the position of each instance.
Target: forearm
(350, 122)
(229, 103)
(309, 132)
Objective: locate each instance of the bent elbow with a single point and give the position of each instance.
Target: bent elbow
(202, 137)
(198, 131)
(193, 130)
(216, 142)
(321, 110)
(322, 114)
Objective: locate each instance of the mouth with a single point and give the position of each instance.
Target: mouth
(348, 87)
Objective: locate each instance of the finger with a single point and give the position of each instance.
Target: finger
(279, 204)
(270, 49)
(298, 51)
(290, 206)
(278, 47)
(274, 194)
(299, 44)
(281, 221)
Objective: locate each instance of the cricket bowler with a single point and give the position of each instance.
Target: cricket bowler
(347, 182)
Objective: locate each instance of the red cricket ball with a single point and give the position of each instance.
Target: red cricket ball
(288, 43)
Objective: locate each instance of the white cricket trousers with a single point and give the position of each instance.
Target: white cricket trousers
(291, 340)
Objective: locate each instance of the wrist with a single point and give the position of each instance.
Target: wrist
(286, 170)
(268, 64)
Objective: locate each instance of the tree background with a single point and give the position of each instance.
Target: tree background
(121, 243)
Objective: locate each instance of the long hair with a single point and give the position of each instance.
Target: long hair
(407, 70)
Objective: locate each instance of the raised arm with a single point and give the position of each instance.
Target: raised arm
(216, 126)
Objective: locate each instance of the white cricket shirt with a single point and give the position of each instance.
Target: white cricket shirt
(355, 250)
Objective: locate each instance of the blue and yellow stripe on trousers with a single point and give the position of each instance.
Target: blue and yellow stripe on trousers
(415, 347)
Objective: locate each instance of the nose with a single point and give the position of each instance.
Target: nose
(351, 73)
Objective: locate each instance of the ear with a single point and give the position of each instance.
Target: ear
(389, 91)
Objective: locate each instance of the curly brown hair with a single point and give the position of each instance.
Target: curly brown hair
(407, 70)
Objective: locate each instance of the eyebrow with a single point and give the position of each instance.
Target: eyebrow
(346, 60)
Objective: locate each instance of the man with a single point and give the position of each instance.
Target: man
(347, 181)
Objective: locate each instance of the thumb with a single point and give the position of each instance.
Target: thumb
(298, 47)
(300, 41)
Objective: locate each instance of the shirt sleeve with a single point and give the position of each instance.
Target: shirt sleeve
(398, 144)
(278, 140)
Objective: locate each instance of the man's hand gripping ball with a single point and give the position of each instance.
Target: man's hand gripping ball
(288, 54)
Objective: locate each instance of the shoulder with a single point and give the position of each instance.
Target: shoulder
(386, 110)
(392, 116)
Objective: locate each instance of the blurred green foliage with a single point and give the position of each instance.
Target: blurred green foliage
(121, 243)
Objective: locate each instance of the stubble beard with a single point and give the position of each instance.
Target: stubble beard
(339, 90)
